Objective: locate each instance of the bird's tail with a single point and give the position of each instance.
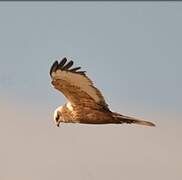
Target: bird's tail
(130, 120)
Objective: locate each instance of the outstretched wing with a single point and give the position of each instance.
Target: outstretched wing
(76, 86)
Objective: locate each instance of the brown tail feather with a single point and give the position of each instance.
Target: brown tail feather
(130, 120)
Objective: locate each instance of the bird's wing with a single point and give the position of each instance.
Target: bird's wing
(76, 86)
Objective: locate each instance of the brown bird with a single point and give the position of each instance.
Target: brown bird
(85, 102)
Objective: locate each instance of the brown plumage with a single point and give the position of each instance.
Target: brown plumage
(85, 102)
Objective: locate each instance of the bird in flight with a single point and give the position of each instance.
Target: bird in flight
(85, 103)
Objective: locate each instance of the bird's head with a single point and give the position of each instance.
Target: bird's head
(58, 116)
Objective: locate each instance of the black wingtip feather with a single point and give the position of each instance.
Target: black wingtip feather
(62, 63)
(67, 66)
(53, 67)
(75, 69)
(81, 72)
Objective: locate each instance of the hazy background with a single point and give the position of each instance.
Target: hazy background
(133, 53)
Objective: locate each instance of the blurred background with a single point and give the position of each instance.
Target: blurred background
(131, 50)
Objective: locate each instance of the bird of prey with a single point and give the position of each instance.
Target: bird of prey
(85, 103)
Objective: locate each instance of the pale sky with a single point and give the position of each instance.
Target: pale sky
(133, 53)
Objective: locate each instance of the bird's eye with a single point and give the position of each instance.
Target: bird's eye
(57, 117)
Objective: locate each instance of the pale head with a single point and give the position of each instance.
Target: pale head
(58, 116)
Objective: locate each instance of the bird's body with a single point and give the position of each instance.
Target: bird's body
(90, 116)
(85, 102)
